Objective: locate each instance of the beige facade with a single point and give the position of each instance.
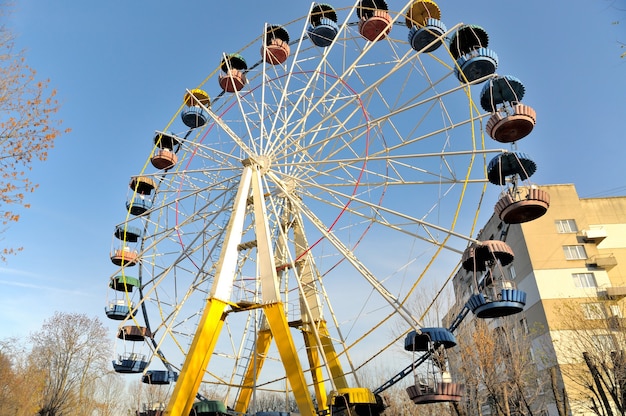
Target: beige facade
(571, 263)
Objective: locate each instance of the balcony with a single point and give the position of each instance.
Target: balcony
(602, 261)
(616, 292)
(593, 234)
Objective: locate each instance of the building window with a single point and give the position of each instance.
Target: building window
(524, 323)
(593, 310)
(616, 311)
(584, 280)
(603, 342)
(575, 252)
(566, 226)
(540, 386)
(512, 272)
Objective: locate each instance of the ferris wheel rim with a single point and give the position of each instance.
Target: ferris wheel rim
(310, 181)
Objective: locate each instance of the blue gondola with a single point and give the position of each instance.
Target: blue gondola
(429, 339)
(159, 377)
(138, 205)
(323, 27)
(118, 310)
(508, 302)
(141, 188)
(130, 363)
(476, 64)
(425, 38)
(193, 117)
(193, 114)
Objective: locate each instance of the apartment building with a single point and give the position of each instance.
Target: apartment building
(571, 264)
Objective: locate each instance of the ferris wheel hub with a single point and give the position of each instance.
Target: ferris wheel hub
(263, 162)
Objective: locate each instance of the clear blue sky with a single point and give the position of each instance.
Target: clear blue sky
(121, 68)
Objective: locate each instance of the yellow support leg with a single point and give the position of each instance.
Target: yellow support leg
(315, 363)
(336, 371)
(263, 342)
(275, 314)
(197, 358)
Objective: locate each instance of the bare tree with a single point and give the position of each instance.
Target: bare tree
(28, 128)
(72, 351)
(618, 8)
(399, 403)
(20, 384)
(110, 395)
(592, 347)
(498, 369)
(144, 397)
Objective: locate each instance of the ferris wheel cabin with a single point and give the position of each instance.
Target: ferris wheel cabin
(355, 401)
(124, 255)
(374, 19)
(208, 408)
(140, 200)
(159, 377)
(497, 296)
(119, 310)
(323, 27)
(429, 339)
(234, 76)
(474, 61)
(193, 114)
(435, 385)
(275, 49)
(164, 157)
(123, 283)
(130, 363)
(425, 28)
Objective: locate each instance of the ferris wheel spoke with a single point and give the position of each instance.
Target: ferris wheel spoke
(394, 170)
(212, 152)
(402, 141)
(336, 81)
(276, 128)
(376, 213)
(354, 261)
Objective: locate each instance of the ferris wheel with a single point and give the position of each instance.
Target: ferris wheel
(297, 200)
